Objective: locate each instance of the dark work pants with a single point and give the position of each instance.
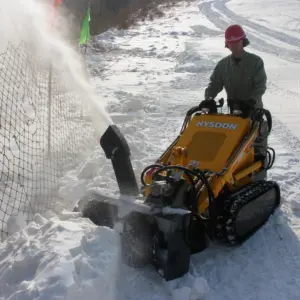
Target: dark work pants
(260, 148)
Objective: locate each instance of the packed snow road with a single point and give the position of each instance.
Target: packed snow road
(150, 76)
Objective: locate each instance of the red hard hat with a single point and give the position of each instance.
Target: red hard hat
(234, 33)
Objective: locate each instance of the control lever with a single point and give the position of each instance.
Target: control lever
(221, 102)
(205, 110)
(237, 112)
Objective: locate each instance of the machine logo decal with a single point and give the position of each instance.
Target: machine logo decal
(230, 126)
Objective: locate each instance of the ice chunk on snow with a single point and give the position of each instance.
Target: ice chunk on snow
(196, 288)
(181, 293)
(15, 222)
(200, 289)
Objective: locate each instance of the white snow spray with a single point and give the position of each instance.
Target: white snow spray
(30, 21)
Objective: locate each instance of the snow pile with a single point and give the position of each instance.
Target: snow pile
(198, 290)
(59, 257)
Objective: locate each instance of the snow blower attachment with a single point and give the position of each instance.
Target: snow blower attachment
(203, 188)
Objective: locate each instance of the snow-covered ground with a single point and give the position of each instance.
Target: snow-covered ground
(150, 76)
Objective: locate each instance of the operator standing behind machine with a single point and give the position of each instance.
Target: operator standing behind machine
(243, 76)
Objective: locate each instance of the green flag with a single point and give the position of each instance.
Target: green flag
(85, 31)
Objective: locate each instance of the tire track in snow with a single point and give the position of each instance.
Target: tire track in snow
(283, 37)
(290, 187)
(282, 248)
(214, 12)
(281, 227)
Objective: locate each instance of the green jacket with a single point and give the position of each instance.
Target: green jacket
(242, 81)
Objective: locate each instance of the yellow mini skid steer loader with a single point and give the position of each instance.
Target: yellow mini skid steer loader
(204, 187)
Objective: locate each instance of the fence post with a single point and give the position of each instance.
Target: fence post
(49, 108)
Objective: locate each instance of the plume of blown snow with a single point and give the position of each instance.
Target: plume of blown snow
(35, 24)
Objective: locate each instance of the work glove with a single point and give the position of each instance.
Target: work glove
(245, 106)
(210, 104)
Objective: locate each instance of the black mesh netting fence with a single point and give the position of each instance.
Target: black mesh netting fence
(43, 134)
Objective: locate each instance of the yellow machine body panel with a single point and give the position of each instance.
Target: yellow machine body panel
(209, 141)
(220, 144)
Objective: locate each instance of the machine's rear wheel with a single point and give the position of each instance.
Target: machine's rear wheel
(137, 240)
(248, 210)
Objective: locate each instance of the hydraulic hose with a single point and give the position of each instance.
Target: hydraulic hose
(200, 175)
(146, 169)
